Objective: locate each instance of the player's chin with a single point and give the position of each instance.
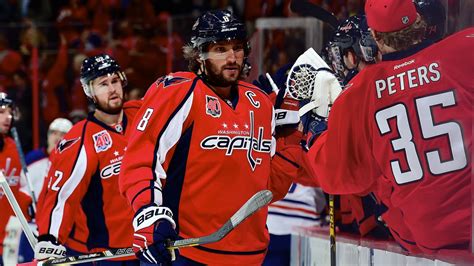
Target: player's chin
(114, 107)
(232, 78)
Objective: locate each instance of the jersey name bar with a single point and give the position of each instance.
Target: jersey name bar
(411, 78)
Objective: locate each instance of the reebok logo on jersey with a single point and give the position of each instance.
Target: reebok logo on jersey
(213, 106)
(65, 144)
(102, 141)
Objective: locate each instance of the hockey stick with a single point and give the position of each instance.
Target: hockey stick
(332, 231)
(17, 210)
(252, 205)
(24, 167)
(306, 8)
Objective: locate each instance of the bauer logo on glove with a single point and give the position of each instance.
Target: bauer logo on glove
(155, 213)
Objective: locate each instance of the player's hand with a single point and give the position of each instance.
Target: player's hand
(286, 111)
(154, 227)
(263, 83)
(48, 247)
(313, 126)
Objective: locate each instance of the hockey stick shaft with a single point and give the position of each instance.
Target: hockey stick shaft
(17, 210)
(332, 231)
(23, 166)
(252, 205)
(272, 83)
(306, 8)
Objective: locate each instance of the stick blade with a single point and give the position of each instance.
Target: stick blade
(256, 202)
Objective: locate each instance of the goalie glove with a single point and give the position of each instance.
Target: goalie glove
(154, 227)
(48, 247)
(311, 79)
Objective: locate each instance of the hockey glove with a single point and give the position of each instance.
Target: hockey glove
(263, 83)
(154, 227)
(48, 247)
(313, 126)
(286, 111)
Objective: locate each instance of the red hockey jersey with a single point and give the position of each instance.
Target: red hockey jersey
(81, 204)
(408, 121)
(194, 153)
(11, 167)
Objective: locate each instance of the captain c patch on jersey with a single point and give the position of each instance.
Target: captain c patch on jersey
(213, 106)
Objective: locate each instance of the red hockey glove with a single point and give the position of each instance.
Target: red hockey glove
(154, 227)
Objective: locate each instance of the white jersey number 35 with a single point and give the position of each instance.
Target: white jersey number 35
(429, 130)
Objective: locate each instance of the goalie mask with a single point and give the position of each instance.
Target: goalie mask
(351, 35)
(98, 66)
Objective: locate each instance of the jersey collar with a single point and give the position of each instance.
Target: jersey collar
(92, 118)
(408, 52)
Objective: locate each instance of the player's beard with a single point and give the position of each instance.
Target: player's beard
(109, 107)
(216, 77)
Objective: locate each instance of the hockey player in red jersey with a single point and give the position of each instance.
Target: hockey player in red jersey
(412, 129)
(80, 206)
(9, 165)
(201, 146)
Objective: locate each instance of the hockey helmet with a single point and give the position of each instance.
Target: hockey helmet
(434, 14)
(6, 101)
(215, 26)
(351, 35)
(60, 124)
(98, 66)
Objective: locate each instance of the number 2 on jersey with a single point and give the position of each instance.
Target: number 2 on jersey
(429, 130)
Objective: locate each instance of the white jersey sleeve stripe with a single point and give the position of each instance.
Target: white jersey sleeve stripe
(66, 191)
(171, 136)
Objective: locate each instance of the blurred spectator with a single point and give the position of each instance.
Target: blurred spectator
(36, 10)
(140, 12)
(168, 44)
(30, 37)
(78, 101)
(134, 94)
(53, 87)
(258, 8)
(71, 21)
(20, 92)
(10, 62)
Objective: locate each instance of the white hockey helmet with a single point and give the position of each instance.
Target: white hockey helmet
(60, 124)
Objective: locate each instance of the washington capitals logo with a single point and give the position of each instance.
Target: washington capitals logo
(213, 107)
(170, 80)
(65, 144)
